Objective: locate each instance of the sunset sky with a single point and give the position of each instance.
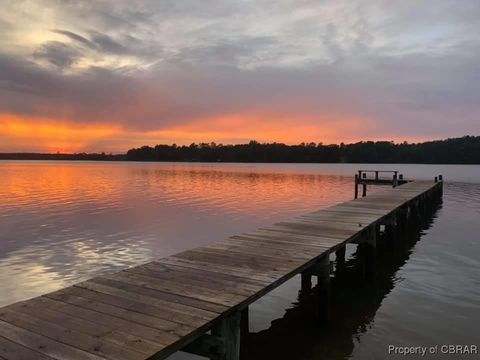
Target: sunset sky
(111, 75)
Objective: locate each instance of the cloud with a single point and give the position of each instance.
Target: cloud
(57, 53)
(403, 70)
(106, 44)
(78, 38)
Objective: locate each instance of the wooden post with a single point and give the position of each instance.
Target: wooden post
(306, 282)
(418, 212)
(370, 251)
(391, 232)
(244, 331)
(364, 192)
(323, 290)
(228, 329)
(340, 258)
(356, 186)
(376, 175)
(401, 229)
(244, 322)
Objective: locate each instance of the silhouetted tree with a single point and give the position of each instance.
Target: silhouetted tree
(463, 150)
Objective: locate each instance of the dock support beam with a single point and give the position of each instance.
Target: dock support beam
(320, 269)
(340, 259)
(244, 331)
(356, 186)
(228, 329)
(208, 346)
(306, 282)
(369, 250)
(391, 233)
(224, 341)
(340, 256)
(323, 290)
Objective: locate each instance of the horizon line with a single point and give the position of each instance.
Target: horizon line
(303, 143)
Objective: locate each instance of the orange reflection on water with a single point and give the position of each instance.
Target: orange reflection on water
(63, 222)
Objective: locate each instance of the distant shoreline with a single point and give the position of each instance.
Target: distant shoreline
(460, 151)
(231, 162)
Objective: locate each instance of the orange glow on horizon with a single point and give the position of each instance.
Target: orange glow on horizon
(27, 134)
(51, 136)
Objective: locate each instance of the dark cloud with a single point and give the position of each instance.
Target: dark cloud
(238, 53)
(106, 44)
(99, 42)
(57, 53)
(75, 37)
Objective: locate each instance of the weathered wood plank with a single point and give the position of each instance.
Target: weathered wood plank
(316, 240)
(43, 344)
(265, 277)
(70, 337)
(13, 351)
(38, 310)
(125, 282)
(170, 309)
(188, 290)
(139, 307)
(251, 264)
(170, 327)
(275, 243)
(197, 283)
(253, 249)
(212, 282)
(215, 276)
(145, 332)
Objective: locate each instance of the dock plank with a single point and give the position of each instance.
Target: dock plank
(108, 333)
(70, 337)
(14, 351)
(42, 344)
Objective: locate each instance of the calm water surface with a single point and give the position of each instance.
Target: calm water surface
(63, 222)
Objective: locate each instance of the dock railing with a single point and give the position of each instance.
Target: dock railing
(373, 177)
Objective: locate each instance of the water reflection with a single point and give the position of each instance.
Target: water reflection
(354, 303)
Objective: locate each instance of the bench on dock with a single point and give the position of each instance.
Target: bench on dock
(198, 300)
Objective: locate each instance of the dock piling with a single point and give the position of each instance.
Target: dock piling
(306, 285)
(228, 329)
(323, 290)
(340, 258)
(356, 186)
(368, 248)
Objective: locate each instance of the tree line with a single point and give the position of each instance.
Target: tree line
(463, 150)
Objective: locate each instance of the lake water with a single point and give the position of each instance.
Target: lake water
(63, 222)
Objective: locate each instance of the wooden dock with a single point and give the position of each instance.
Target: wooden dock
(197, 300)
